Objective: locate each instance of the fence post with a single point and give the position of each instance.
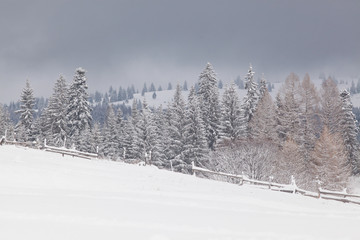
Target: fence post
(318, 183)
(193, 166)
(293, 183)
(270, 180)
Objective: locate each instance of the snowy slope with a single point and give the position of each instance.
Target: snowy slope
(46, 196)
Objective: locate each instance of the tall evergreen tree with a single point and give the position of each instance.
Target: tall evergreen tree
(158, 156)
(25, 125)
(110, 137)
(250, 100)
(262, 86)
(289, 112)
(232, 121)
(55, 122)
(195, 148)
(210, 106)
(331, 106)
(350, 131)
(78, 111)
(6, 126)
(137, 144)
(177, 128)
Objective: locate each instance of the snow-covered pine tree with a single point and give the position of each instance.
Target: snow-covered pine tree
(6, 127)
(78, 110)
(128, 140)
(158, 156)
(263, 123)
(177, 129)
(210, 106)
(55, 122)
(25, 124)
(289, 113)
(250, 100)
(109, 146)
(120, 131)
(147, 132)
(349, 132)
(331, 106)
(262, 86)
(137, 144)
(329, 161)
(232, 121)
(195, 148)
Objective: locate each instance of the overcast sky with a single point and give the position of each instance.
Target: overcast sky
(121, 43)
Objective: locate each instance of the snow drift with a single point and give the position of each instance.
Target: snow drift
(47, 196)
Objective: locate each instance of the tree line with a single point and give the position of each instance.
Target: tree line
(305, 133)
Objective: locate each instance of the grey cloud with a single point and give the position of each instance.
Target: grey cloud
(124, 42)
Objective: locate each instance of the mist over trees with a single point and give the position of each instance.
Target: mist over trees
(304, 132)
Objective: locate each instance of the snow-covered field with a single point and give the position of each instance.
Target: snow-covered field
(46, 196)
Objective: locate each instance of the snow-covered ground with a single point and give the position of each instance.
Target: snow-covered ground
(46, 196)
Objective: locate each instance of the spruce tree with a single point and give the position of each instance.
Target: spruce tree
(158, 156)
(250, 100)
(331, 106)
(110, 137)
(232, 121)
(177, 129)
(210, 106)
(78, 110)
(350, 129)
(25, 124)
(6, 126)
(55, 122)
(289, 111)
(195, 148)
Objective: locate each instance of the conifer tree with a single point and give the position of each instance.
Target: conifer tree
(137, 145)
(195, 148)
(110, 137)
(6, 126)
(210, 106)
(250, 100)
(349, 132)
(25, 124)
(55, 122)
(78, 111)
(232, 121)
(158, 156)
(331, 108)
(289, 112)
(177, 128)
(262, 86)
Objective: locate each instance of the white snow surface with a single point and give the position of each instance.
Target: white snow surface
(46, 196)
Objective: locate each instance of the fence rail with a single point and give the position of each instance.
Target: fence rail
(63, 151)
(289, 188)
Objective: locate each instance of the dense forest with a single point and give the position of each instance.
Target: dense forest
(304, 132)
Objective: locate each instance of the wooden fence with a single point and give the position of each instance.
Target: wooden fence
(63, 151)
(289, 188)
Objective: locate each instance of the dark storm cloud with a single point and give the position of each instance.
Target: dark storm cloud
(125, 42)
